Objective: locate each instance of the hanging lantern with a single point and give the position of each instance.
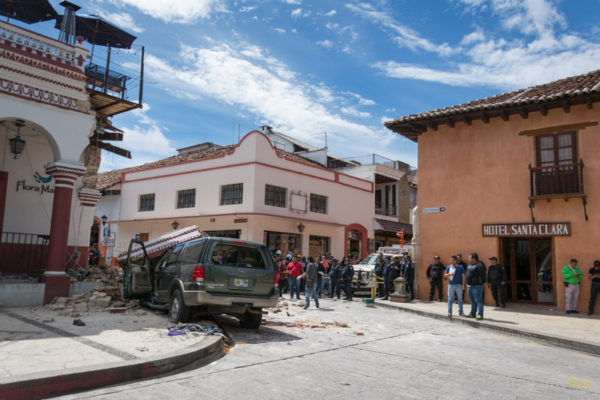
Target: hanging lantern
(17, 143)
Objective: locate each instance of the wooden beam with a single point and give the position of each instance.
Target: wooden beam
(550, 130)
(449, 122)
(504, 114)
(485, 118)
(590, 105)
(109, 136)
(524, 114)
(466, 120)
(543, 109)
(111, 148)
(566, 106)
(432, 125)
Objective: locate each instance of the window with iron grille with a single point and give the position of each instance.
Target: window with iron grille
(232, 194)
(186, 198)
(147, 202)
(318, 203)
(275, 196)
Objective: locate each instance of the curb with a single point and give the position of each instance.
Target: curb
(50, 384)
(554, 340)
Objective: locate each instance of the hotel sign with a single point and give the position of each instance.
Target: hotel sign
(541, 229)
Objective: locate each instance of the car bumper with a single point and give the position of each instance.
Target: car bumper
(195, 298)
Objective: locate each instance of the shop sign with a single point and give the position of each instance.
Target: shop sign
(240, 220)
(527, 230)
(43, 184)
(109, 241)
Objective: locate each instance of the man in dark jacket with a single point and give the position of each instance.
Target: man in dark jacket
(335, 272)
(379, 264)
(435, 273)
(347, 275)
(388, 277)
(310, 275)
(409, 275)
(496, 278)
(475, 280)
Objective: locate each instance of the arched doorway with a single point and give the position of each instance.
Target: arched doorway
(356, 241)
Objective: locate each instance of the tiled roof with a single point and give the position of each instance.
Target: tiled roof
(579, 89)
(107, 180)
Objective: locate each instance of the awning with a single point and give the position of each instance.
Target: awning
(391, 226)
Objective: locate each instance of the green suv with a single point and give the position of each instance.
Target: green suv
(213, 275)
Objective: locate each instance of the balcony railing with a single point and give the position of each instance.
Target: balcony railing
(563, 180)
(387, 210)
(101, 78)
(22, 252)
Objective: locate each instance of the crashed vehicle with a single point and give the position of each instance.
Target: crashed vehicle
(364, 275)
(208, 274)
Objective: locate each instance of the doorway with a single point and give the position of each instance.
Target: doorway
(528, 264)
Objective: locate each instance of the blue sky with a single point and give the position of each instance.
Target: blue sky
(306, 67)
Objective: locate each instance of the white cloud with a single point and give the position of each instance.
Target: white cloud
(300, 13)
(293, 2)
(177, 11)
(537, 55)
(330, 13)
(247, 9)
(121, 19)
(279, 30)
(403, 35)
(355, 112)
(146, 144)
(224, 74)
(325, 43)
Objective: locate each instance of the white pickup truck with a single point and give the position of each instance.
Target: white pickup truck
(364, 271)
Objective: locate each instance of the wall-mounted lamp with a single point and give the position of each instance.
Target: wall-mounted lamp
(300, 227)
(17, 143)
(104, 219)
(174, 224)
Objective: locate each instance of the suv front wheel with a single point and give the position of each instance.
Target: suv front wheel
(251, 319)
(178, 311)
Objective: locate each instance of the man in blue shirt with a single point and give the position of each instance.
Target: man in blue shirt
(455, 275)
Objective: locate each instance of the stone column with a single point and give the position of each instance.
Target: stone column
(56, 280)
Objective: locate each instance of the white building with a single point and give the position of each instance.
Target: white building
(52, 122)
(251, 191)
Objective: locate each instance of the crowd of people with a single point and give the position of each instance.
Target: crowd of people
(314, 276)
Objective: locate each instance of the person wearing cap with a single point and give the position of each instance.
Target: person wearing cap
(335, 274)
(496, 278)
(347, 276)
(409, 275)
(379, 264)
(571, 277)
(595, 288)
(435, 273)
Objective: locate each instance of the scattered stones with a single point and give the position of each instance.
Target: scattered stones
(142, 348)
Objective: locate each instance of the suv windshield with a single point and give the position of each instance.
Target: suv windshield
(238, 255)
(369, 260)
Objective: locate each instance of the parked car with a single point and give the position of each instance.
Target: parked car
(209, 274)
(364, 271)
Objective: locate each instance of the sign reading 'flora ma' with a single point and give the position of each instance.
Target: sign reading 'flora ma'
(528, 230)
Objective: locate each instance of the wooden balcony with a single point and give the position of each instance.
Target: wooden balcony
(556, 181)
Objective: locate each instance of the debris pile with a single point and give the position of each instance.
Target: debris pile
(112, 276)
(97, 300)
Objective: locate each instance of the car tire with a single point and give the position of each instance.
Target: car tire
(251, 320)
(178, 311)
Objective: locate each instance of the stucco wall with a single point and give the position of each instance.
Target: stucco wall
(482, 177)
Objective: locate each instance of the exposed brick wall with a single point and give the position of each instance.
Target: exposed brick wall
(92, 163)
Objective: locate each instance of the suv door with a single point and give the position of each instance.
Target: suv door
(238, 268)
(137, 279)
(168, 270)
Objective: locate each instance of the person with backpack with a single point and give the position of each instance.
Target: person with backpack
(311, 282)
(435, 273)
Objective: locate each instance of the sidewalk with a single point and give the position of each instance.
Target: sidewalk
(42, 354)
(538, 322)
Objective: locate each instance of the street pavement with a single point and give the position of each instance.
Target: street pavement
(346, 350)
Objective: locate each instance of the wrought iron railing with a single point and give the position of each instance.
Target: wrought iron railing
(22, 252)
(556, 180)
(386, 209)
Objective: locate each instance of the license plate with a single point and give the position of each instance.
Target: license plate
(241, 283)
